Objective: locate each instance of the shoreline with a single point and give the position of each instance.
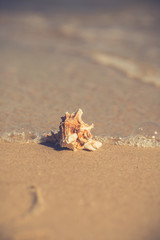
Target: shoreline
(148, 139)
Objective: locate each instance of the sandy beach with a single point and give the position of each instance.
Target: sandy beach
(113, 193)
(102, 57)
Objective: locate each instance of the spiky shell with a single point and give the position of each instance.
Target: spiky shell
(75, 134)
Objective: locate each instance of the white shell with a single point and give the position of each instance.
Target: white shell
(92, 145)
(71, 138)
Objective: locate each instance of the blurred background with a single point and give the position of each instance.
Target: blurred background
(57, 56)
(75, 4)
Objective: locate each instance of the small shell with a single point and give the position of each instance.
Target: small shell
(75, 134)
(92, 145)
(71, 138)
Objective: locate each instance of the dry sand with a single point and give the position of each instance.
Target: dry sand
(113, 193)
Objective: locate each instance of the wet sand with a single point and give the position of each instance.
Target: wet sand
(105, 62)
(113, 193)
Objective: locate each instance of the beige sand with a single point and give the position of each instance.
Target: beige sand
(113, 193)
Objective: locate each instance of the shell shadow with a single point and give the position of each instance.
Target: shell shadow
(56, 147)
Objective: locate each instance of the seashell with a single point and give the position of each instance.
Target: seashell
(75, 134)
(92, 145)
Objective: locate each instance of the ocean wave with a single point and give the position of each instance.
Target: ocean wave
(21, 137)
(143, 72)
(146, 134)
(136, 141)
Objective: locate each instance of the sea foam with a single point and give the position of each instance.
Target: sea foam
(146, 134)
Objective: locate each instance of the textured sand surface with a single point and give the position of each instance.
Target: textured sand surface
(113, 193)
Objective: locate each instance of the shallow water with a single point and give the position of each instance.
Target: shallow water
(105, 62)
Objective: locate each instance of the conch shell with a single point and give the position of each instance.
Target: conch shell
(74, 133)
